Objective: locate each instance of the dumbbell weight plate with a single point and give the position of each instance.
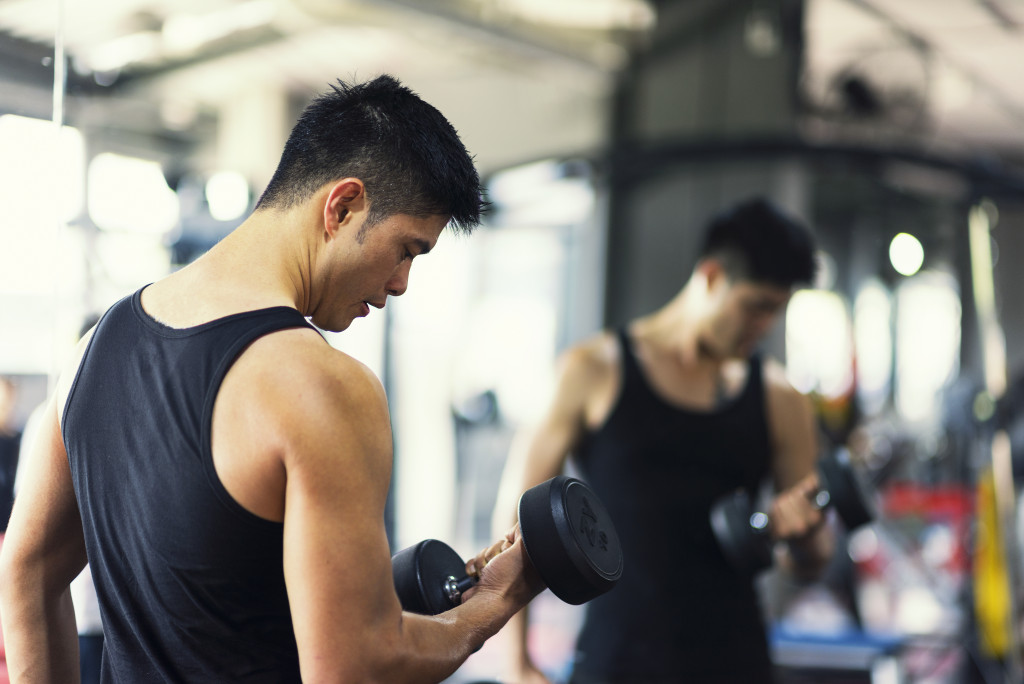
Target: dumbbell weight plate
(570, 539)
(848, 495)
(746, 546)
(420, 572)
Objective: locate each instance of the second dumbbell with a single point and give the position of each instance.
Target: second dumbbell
(744, 534)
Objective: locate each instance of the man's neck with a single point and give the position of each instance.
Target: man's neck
(675, 330)
(260, 264)
(267, 258)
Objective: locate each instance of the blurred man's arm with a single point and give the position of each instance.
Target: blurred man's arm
(810, 541)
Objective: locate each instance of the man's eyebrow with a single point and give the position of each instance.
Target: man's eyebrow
(423, 245)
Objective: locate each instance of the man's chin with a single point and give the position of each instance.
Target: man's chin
(745, 350)
(331, 326)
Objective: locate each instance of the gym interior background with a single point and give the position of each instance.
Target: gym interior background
(136, 133)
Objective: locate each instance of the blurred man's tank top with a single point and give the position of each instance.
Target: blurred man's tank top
(680, 612)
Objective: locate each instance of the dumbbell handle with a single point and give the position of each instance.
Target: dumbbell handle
(761, 523)
(454, 588)
(430, 577)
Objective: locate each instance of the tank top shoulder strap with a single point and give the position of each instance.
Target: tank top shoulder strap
(755, 376)
(631, 371)
(752, 404)
(636, 397)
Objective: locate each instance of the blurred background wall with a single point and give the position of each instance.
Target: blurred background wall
(134, 134)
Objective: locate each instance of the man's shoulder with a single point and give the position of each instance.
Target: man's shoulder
(599, 353)
(301, 366)
(775, 380)
(785, 400)
(590, 365)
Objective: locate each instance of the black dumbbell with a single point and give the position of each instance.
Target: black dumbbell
(568, 536)
(743, 534)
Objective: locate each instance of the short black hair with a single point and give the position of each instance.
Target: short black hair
(756, 241)
(407, 154)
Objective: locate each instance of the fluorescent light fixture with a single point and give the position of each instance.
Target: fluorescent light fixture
(585, 14)
(186, 33)
(124, 50)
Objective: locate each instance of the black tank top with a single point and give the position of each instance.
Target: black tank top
(190, 584)
(680, 613)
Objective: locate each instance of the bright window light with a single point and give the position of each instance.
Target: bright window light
(40, 169)
(927, 343)
(130, 194)
(819, 349)
(227, 194)
(131, 260)
(541, 194)
(42, 269)
(906, 254)
(41, 187)
(872, 331)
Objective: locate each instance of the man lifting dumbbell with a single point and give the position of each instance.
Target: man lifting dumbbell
(663, 417)
(224, 468)
(747, 536)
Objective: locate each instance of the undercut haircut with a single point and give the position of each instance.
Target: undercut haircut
(757, 242)
(408, 156)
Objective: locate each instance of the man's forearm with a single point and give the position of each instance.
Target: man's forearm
(425, 648)
(40, 637)
(806, 558)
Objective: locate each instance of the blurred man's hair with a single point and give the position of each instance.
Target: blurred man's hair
(756, 241)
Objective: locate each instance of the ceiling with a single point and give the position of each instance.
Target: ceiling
(524, 79)
(518, 80)
(948, 69)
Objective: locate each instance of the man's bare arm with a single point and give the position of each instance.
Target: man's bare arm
(43, 551)
(349, 625)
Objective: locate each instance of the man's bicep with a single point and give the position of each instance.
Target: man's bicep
(45, 529)
(336, 558)
(562, 426)
(795, 437)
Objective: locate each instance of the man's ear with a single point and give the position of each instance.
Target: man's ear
(345, 200)
(711, 270)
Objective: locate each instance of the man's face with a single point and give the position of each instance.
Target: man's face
(363, 270)
(740, 314)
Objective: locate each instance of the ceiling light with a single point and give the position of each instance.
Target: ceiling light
(906, 254)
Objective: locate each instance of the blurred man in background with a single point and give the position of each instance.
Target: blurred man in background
(663, 417)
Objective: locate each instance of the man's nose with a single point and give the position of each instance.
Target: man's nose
(399, 281)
